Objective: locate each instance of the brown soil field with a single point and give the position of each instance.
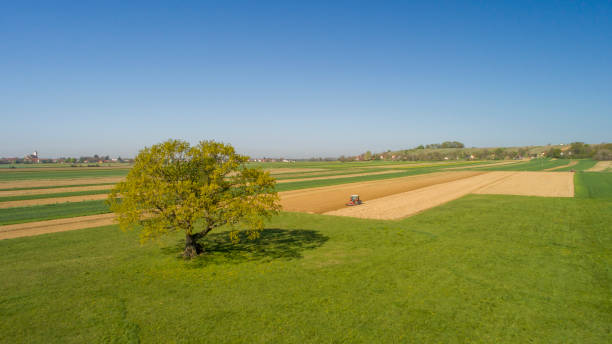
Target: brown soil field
(328, 198)
(409, 203)
(571, 163)
(57, 182)
(601, 166)
(54, 190)
(545, 184)
(52, 226)
(42, 201)
(334, 177)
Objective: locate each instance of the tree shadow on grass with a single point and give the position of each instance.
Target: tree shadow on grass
(272, 244)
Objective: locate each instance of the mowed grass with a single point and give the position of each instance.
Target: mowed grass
(51, 211)
(486, 269)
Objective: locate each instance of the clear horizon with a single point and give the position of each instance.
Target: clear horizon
(301, 80)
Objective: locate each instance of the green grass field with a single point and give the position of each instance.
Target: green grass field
(593, 185)
(483, 268)
(51, 211)
(582, 165)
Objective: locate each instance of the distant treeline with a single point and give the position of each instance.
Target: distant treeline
(456, 151)
(446, 144)
(80, 160)
(581, 150)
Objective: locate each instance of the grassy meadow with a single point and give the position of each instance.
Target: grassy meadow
(483, 268)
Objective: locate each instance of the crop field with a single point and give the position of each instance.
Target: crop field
(435, 246)
(540, 164)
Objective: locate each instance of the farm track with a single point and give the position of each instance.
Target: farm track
(412, 202)
(328, 198)
(601, 166)
(53, 226)
(571, 163)
(41, 183)
(43, 201)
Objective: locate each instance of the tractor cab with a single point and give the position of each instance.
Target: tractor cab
(354, 200)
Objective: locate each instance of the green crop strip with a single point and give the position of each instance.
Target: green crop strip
(51, 211)
(52, 195)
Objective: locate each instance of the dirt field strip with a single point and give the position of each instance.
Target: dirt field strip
(487, 165)
(409, 203)
(42, 201)
(572, 163)
(52, 226)
(335, 177)
(601, 166)
(410, 165)
(54, 190)
(289, 170)
(57, 182)
(328, 198)
(544, 184)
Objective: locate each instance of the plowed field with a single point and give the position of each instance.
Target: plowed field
(52, 226)
(546, 184)
(324, 199)
(411, 202)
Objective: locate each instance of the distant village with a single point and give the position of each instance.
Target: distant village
(35, 158)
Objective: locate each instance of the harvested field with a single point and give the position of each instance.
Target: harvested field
(42, 201)
(571, 163)
(334, 177)
(57, 182)
(324, 199)
(601, 166)
(52, 226)
(54, 190)
(409, 203)
(546, 184)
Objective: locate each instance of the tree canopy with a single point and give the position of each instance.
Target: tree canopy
(175, 187)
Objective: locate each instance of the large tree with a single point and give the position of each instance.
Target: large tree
(175, 187)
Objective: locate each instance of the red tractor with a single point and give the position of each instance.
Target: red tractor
(354, 200)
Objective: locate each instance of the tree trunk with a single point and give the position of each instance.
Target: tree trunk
(192, 249)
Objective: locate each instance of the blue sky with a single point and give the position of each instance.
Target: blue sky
(301, 79)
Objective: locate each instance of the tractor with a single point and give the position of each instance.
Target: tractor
(354, 200)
